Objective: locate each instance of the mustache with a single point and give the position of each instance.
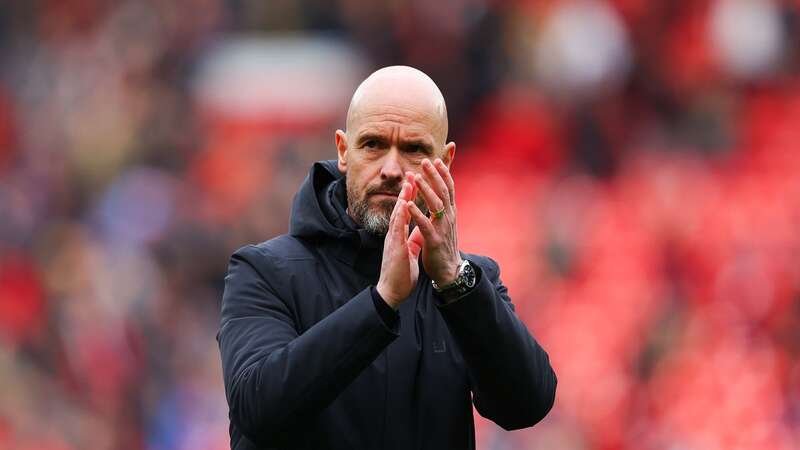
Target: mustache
(394, 188)
(387, 187)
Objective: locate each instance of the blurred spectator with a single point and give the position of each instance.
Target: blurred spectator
(637, 162)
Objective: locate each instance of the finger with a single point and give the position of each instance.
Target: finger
(401, 221)
(415, 243)
(416, 238)
(410, 180)
(435, 181)
(406, 190)
(423, 224)
(402, 196)
(405, 227)
(397, 206)
(406, 223)
(431, 199)
(410, 177)
(444, 171)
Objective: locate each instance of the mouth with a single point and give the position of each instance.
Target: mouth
(384, 195)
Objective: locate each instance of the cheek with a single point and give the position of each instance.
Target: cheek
(357, 183)
(366, 175)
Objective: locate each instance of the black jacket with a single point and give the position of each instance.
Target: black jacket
(313, 358)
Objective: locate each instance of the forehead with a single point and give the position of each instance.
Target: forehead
(409, 119)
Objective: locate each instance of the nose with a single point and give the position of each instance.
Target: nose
(392, 169)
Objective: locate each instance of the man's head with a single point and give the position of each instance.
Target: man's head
(397, 118)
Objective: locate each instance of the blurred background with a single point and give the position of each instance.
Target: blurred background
(633, 165)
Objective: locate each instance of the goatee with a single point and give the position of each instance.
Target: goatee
(375, 217)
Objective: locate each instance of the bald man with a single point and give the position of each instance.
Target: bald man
(365, 327)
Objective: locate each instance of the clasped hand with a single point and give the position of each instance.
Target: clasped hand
(434, 237)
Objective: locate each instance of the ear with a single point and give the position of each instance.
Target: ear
(341, 149)
(449, 153)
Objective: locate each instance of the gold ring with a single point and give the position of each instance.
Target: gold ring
(437, 214)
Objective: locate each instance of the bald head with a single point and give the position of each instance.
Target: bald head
(401, 90)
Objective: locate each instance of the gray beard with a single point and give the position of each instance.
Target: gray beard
(376, 219)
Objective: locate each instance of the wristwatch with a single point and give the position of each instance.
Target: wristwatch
(464, 282)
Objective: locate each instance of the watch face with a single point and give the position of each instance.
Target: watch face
(469, 275)
(464, 282)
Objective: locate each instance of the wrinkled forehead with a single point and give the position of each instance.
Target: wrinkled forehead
(417, 117)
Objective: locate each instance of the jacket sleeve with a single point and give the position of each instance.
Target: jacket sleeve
(513, 383)
(276, 380)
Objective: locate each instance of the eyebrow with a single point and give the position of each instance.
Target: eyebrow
(404, 143)
(370, 136)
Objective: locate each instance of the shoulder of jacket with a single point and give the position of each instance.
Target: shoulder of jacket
(280, 248)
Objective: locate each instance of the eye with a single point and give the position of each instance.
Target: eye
(372, 143)
(417, 149)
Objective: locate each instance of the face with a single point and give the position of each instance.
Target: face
(382, 143)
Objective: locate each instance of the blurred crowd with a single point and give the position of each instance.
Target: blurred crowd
(633, 165)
